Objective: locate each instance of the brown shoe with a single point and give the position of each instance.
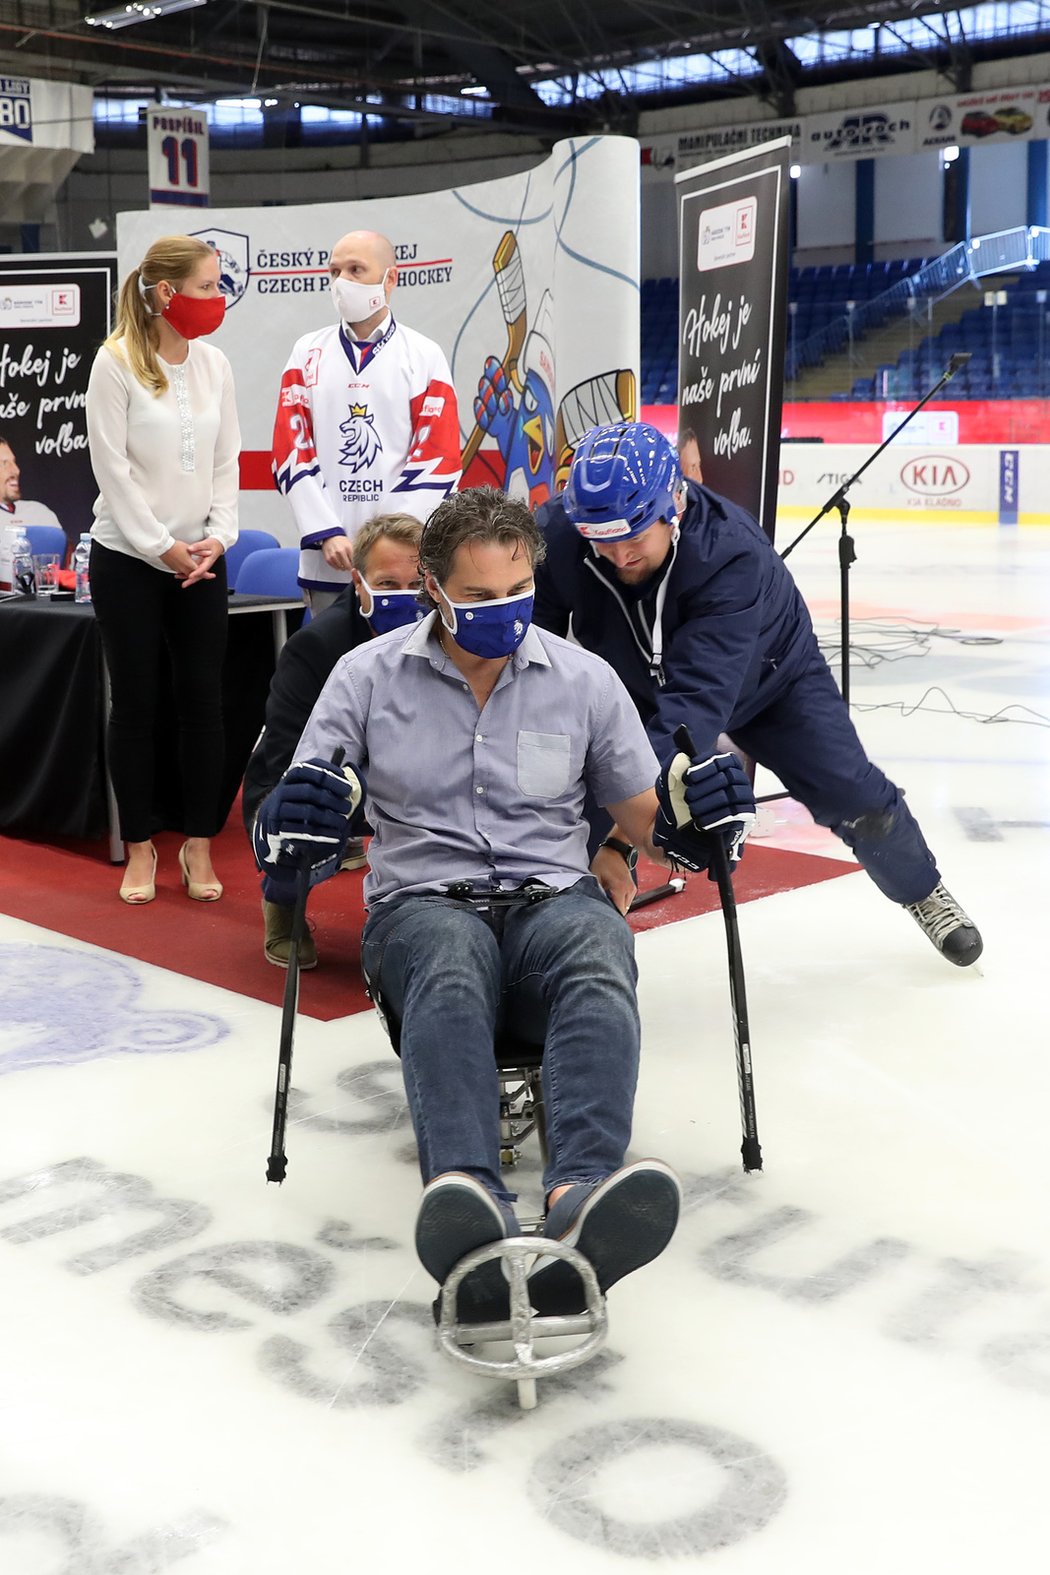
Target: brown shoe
(277, 946)
(355, 857)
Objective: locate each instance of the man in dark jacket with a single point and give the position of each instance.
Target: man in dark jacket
(684, 595)
(383, 596)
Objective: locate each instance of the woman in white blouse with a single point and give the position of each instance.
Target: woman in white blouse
(164, 439)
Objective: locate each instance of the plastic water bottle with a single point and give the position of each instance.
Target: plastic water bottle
(23, 575)
(81, 561)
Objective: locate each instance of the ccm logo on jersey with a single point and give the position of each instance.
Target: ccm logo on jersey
(433, 405)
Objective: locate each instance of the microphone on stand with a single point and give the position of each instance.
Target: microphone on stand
(839, 501)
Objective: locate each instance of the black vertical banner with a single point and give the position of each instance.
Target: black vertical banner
(55, 311)
(733, 222)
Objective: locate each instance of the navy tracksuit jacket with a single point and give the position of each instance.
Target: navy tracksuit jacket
(720, 639)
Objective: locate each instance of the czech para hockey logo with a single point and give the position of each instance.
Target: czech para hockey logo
(361, 441)
(231, 248)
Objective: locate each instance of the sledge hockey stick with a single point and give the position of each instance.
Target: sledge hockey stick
(672, 888)
(750, 1148)
(510, 282)
(277, 1164)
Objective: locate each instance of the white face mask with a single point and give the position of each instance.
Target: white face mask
(354, 302)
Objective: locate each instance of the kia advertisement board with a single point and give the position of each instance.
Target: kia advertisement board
(974, 484)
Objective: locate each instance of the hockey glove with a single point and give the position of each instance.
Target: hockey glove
(305, 820)
(700, 799)
(492, 401)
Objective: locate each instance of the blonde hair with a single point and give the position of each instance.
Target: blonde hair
(173, 258)
(404, 528)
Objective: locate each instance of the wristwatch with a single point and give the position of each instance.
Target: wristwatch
(624, 849)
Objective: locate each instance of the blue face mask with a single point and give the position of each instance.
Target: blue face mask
(391, 609)
(489, 629)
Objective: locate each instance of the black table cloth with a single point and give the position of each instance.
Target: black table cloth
(52, 722)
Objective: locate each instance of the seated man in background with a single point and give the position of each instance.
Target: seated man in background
(383, 595)
(480, 735)
(685, 596)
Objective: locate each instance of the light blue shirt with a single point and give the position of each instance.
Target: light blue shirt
(455, 793)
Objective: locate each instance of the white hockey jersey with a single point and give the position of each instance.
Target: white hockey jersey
(362, 429)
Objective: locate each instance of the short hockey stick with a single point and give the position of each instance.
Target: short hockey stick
(277, 1164)
(750, 1149)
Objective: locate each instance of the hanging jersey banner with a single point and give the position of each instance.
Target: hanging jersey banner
(177, 145)
(44, 129)
(733, 268)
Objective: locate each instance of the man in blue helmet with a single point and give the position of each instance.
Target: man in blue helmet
(685, 596)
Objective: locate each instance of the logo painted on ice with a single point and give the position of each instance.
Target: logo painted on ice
(234, 267)
(361, 441)
(935, 475)
(59, 1006)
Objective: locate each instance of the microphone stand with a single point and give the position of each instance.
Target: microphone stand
(840, 502)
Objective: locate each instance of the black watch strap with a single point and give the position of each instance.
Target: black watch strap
(628, 853)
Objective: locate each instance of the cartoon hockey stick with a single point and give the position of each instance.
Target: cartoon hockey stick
(611, 396)
(510, 282)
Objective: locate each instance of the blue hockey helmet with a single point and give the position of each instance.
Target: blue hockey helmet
(624, 478)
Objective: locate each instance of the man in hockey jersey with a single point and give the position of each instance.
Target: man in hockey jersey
(384, 596)
(685, 596)
(366, 419)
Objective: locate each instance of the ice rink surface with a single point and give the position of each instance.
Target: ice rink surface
(841, 1364)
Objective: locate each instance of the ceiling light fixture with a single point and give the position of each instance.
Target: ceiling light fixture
(139, 11)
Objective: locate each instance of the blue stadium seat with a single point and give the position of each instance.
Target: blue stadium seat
(247, 542)
(272, 572)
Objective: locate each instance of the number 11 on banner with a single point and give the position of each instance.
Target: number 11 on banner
(177, 141)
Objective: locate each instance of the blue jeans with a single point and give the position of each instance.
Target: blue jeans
(562, 969)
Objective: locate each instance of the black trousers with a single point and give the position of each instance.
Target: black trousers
(140, 610)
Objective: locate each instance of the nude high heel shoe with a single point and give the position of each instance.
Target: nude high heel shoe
(137, 895)
(199, 890)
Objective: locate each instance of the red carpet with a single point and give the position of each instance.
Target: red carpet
(72, 889)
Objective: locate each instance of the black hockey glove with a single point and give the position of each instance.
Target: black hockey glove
(305, 820)
(700, 799)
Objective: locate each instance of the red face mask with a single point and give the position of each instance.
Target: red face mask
(191, 316)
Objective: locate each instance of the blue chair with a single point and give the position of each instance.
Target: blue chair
(272, 572)
(47, 539)
(248, 541)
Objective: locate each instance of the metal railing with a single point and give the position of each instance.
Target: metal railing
(1004, 251)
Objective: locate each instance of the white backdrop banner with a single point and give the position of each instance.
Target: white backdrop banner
(534, 275)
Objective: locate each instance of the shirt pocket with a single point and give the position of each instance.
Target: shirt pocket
(544, 761)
